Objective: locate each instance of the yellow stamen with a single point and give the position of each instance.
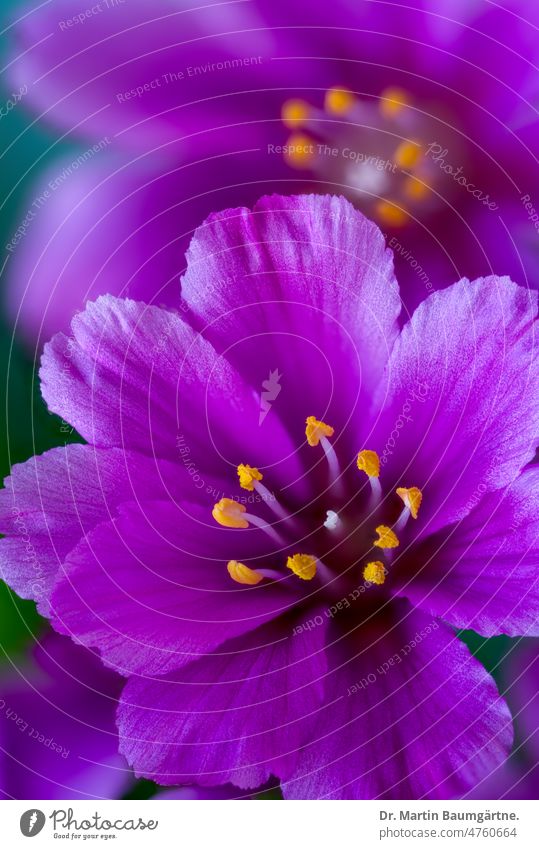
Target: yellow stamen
(375, 572)
(389, 214)
(302, 565)
(407, 154)
(339, 101)
(299, 151)
(294, 112)
(386, 537)
(248, 475)
(228, 513)
(315, 430)
(412, 498)
(392, 101)
(369, 462)
(242, 574)
(416, 189)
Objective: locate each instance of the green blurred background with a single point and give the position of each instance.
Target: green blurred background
(27, 428)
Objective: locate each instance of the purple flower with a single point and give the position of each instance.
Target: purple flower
(57, 734)
(421, 113)
(282, 590)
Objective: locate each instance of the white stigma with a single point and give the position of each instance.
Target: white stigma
(332, 520)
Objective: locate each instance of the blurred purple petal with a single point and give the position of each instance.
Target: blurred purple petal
(57, 729)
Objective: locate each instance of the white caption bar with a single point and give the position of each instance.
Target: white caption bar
(270, 824)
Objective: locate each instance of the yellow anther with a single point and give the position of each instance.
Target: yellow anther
(315, 430)
(242, 574)
(228, 513)
(392, 101)
(386, 537)
(369, 462)
(389, 214)
(299, 151)
(294, 112)
(416, 189)
(339, 101)
(248, 475)
(412, 498)
(302, 565)
(375, 572)
(407, 154)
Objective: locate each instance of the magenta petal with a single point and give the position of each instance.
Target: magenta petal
(139, 377)
(151, 590)
(302, 284)
(237, 716)
(409, 714)
(50, 502)
(461, 408)
(483, 573)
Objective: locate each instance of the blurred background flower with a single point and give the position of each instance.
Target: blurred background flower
(57, 727)
(424, 114)
(122, 128)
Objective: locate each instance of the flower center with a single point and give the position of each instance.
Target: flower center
(342, 542)
(376, 149)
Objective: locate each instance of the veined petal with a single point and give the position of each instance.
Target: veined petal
(151, 589)
(462, 403)
(301, 284)
(409, 714)
(482, 573)
(140, 377)
(50, 502)
(239, 715)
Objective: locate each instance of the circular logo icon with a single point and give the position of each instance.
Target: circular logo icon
(32, 822)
